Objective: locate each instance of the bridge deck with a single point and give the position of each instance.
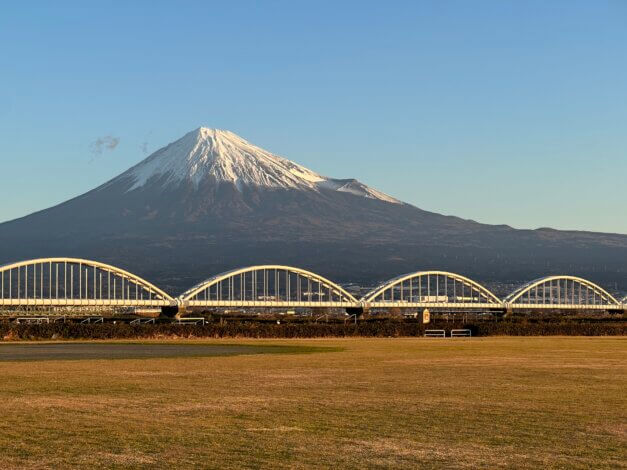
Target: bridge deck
(459, 305)
(563, 307)
(268, 304)
(84, 303)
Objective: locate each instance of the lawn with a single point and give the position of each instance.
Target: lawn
(378, 403)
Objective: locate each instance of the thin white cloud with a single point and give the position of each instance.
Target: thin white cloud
(102, 144)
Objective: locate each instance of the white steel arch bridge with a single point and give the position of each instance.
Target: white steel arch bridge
(268, 286)
(57, 282)
(562, 292)
(429, 289)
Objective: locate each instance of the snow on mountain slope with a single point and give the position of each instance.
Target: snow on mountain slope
(222, 156)
(355, 187)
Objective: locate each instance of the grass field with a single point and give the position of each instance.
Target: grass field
(375, 403)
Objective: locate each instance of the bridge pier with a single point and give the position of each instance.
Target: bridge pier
(359, 311)
(171, 311)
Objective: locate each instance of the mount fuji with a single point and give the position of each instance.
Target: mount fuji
(211, 201)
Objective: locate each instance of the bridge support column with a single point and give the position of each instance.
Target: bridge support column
(359, 311)
(170, 311)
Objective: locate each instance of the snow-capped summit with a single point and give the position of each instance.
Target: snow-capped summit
(219, 156)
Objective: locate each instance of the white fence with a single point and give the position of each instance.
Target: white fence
(435, 334)
(442, 333)
(461, 333)
(191, 321)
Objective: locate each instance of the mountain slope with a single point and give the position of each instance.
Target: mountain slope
(212, 201)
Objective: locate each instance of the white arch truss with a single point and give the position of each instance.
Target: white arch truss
(269, 286)
(75, 282)
(562, 292)
(432, 288)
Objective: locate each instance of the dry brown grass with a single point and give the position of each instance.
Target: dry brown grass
(380, 403)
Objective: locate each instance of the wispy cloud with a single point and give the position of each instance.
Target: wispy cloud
(102, 144)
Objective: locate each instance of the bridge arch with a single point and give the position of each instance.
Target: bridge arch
(268, 286)
(435, 288)
(561, 291)
(65, 281)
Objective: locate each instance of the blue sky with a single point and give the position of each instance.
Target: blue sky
(501, 111)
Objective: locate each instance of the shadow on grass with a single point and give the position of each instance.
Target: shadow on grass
(83, 351)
